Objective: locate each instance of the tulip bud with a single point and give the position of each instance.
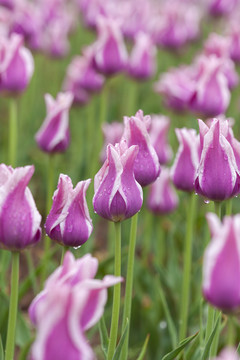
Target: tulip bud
(118, 196)
(217, 175)
(142, 60)
(158, 134)
(72, 302)
(110, 52)
(16, 64)
(221, 264)
(53, 136)
(187, 159)
(19, 217)
(146, 166)
(211, 96)
(69, 222)
(162, 198)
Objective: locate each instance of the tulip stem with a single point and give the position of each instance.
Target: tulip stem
(64, 250)
(12, 317)
(116, 294)
(229, 207)
(218, 207)
(210, 322)
(231, 331)
(147, 240)
(129, 284)
(187, 261)
(12, 144)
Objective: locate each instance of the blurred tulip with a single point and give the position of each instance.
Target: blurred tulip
(118, 196)
(16, 64)
(221, 264)
(69, 222)
(162, 198)
(187, 159)
(53, 136)
(227, 354)
(146, 166)
(217, 175)
(222, 7)
(19, 218)
(158, 134)
(72, 302)
(112, 135)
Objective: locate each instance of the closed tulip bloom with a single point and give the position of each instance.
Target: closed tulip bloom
(221, 264)
(162, 198)
(118, 195)
(158, 134)
(211, 96)
(71, 303)
(53, 136)
(146, 166)
(16, 64)
(69, 222)
(187, 159)
(227, 354)
(222, 7)
(142, 62)
(19, 217)
(110, 51)
(217, 175)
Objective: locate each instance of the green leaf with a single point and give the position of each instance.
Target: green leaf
(238, 349)
(118, 350)
(1, 349)
(144, 348)
(210, 339)
(103, 335)
(171, 326)
(23, 334)
(192, 349)
(171, 355)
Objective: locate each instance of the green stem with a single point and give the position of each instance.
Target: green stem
(218, 207)
(12, 317)
(129, 284)
(64, 250)
(160, 244)
(31, 271)
(231, 332)
(187, 268)
(214, 347)
(210, 322)
(229, 207)
(116, 295)
(147, 240)
(12, 144)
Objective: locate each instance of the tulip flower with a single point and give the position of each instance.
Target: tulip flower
(72, 302)
(158, 134)
(222, 7)
(217, 45)
(16, 64)
(53, 136)
(221, 264)
(142, 60)
(234, 39)
(69, 222)
(112, 135)
(19, 217)
(146, 166)
(118, 195)
(211, 96)
(110, 52)
(217, 175)
(162, 198)
(187, 160)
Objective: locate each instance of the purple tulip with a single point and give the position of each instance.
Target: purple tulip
(227, 354)
(7, 3)
(162, 198)
(177, 87)
(72, 302)
(234, 39)
(53, 136)
(112, 135)
(211, 96)
(217, 175)
(222, 7)
(19, 217)
(142, 62)
(158, 134)
(16, 64)
(187, 159)
(69, 222)
(146, 166)
(221, 264)
(118, 196)
(110, 52)
(217, 45)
